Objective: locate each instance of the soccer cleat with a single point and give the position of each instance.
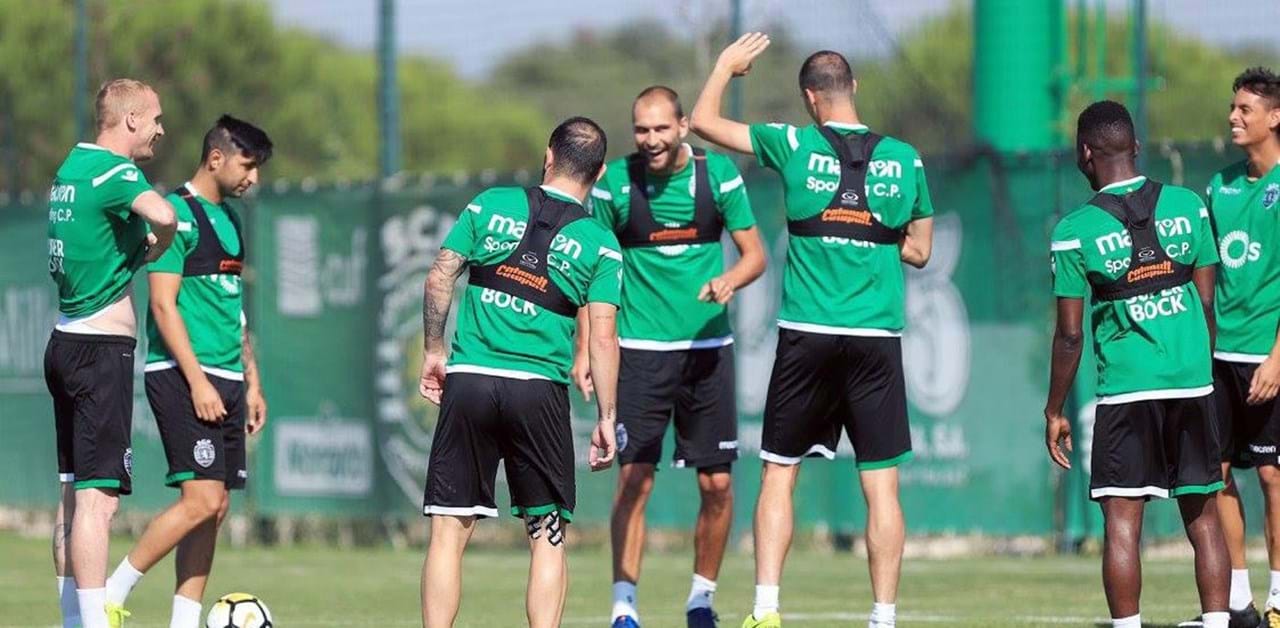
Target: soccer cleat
(702, 618)
(1243, 618)
(770, 620)
(116, 615)
(625, 621)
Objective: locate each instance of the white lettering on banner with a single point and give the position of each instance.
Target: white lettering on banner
(26, 314)
(310, 278)
(936, 342)
(410, 242)
(323, 456)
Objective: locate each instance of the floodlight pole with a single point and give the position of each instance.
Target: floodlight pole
(388, 91)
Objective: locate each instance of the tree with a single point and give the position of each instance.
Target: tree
(208, 57)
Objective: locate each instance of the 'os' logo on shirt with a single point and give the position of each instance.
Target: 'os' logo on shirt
(1236, 249)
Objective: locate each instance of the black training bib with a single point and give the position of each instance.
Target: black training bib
(848, 214)
(1150, 267)
(642, 230)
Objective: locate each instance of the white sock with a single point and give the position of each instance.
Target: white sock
(624, 600)
(68, 603)
(766, 600)
(1216, 619)
(883, 615)
(1273, 592)
(186, 613)
(93, 607)
(1241, 596)
(1127, 622)
(122, 581)
(701, 593)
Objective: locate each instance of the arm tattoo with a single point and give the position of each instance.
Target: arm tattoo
(248, 358)
(438, 296)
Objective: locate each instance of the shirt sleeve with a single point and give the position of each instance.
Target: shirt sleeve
(603, 201)
(184, 241)
(119, 186)
(924, 202)
(1067, 263)
(1207, 247)
(731, 197)
(462, 237)
(773, 144)
(606, 281)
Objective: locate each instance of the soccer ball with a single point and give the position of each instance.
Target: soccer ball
(239, 610)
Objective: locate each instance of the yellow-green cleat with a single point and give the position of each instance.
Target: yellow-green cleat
(770, 620)
(116, 615)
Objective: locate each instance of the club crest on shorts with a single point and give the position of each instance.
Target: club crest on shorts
(128, 461)
(621, 432)
(204, 452)
(1270, 196)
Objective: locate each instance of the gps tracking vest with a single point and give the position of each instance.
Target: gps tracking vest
(848, 215)
(1150, 267)
(642, 230)
(523, 274)
(210, 258)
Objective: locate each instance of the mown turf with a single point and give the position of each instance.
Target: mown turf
(314, 586)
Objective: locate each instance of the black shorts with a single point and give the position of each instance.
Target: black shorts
(697, 387)
(1155, 448)
(822, 383)
(197, 450)
(485, 419)
(91, 380)
(1250, 434)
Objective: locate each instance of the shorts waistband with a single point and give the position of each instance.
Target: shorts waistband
(98, 339)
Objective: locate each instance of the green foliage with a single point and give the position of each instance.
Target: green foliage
(208, 57)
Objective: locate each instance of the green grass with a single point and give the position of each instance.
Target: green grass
(311, 586)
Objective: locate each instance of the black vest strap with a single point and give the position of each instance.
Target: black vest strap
(848, 214)
(524, 273)
(1150, 267)
(210, 257)
(642, 230)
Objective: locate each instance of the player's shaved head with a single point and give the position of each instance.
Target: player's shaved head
(826, 73)
(661, 93)
(118, 98)
(578, 146)
(1107, 129)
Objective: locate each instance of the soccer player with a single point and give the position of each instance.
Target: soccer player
(201, 375)
(857, 207)
(1143, 254)
(668, 203)
(1243, 200)
(537, 260)
(100, 206)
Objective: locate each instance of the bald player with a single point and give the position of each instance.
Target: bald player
(669, 204)
(100, 207)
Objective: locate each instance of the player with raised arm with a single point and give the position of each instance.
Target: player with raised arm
(1243, 200)
(669, 204)
(201, 375)
(100, 208)
(857, 207)
(536, 261)
(1143, 254)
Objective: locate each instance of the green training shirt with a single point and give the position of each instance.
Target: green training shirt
(660, 306)
(211, 306)
(1246, 222)
(835, 285)
(96, 242)
(500, 335)
(1152, 346)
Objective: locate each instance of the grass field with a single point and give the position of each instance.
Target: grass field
(311, 586)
